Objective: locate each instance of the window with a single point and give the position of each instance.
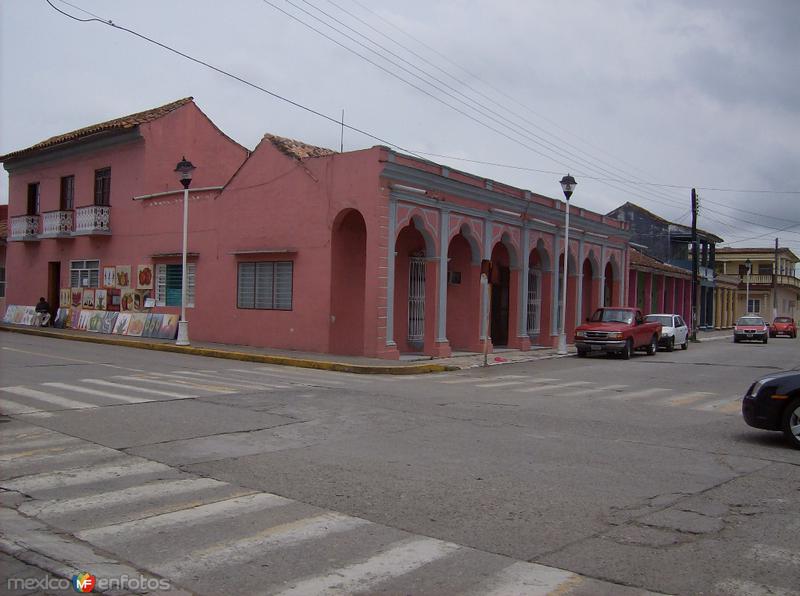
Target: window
(754, 305)
(33, 198)
(67, 193)
(265, 285)
(84, 274)
(765, 269)
(102, 186)
(2, 282)
(168, 284)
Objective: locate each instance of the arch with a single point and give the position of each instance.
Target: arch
(539, 294)
(590, 287)
(611, 293)
(463, 292)
(348, 283)
(411, 306)
(501, 294)
(572, 294)
(474, 243)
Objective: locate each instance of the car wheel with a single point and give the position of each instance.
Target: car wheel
(581, 353)
(652, 347)
(736, 340)
(790, 424)
(671, 344)
(628, 352)
(766, 339)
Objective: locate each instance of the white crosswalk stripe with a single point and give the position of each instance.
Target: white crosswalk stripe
(136, 389)
(49, 398)
(88, 391)
(177, 383)
(78, 476)
(548, 386)
(227, 381)
(529, 579)
(499, 384)
(683, 399)
(398, 560)
(774, 554)
(285, 376)
(643, 393)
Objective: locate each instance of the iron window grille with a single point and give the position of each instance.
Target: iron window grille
(84, 274)
(102, 187)
(265, 285)
(169, 280)
(67, 193)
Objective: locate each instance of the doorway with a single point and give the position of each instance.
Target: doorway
(500, 303)
(53, 285)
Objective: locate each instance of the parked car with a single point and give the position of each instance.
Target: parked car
(783, 326)
(750, 328)
(617, 331)
(773, 403)
(673, 330)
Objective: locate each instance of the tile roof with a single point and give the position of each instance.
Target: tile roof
(641, 261)
(123, 123)
(296, 149)
(758, 251)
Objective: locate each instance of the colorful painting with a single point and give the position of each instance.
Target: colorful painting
(101, 299)
(127, 300)
(108, 322)
(154, 322)
(77, 297)
(88, 298)
(96, 321)
(169, 327)
(144, 277)
(10, 311)
(123, 276)
(62, 317)
(83, 322)
(109, 277)
(74, 317)
(122, 322)
(136, 326)
(64, 297)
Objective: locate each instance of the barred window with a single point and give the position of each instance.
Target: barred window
(84, 274)
(102, 186)
(265, 285)
(67, 193)
(169, 280)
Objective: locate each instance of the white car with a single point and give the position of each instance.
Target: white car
(673, 330)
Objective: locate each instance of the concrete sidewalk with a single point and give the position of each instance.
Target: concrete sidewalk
(407, 365)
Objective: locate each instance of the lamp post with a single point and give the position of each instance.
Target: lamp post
(568, 185)
(749, 265)
(184, 169)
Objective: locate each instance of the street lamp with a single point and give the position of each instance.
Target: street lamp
(747, 264)
(184, 169)
(568, 185)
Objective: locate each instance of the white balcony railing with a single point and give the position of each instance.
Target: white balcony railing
(781, 280)
(56, 223)
(25, 227)
(95, 219)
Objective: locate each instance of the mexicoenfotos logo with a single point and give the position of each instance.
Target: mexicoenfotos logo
(84, 582)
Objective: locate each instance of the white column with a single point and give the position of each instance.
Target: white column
(441, 313)
(487, 254)
(579, 297)
(555, 277)
(523, 286)
(390, 256)
(601, 295)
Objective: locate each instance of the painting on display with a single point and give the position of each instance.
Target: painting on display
(88, 298)
(136, 326)
(123, 276)
(65, 297)
(169, 327)
(74, 317)
(154, 328)
(101, 299)
(122, 322)
(77, 297)
(83, 322)
(62, 318)
(144, 277)
(109, 277)
(96, 321)
(126, 303)
(108, 322)
(10, 311)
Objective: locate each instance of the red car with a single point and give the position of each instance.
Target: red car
(783, 326)
(750, 327)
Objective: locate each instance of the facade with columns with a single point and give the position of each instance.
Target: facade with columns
(657, 287)
(298, 247)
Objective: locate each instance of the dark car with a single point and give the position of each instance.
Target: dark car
(750, 328)
(773, 403)
(783, 326)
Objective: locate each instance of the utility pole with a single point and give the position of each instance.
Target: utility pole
(695, 267)
(775, 283)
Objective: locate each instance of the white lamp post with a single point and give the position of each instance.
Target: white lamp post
(749, 266)
(184, 169)
(568, 184)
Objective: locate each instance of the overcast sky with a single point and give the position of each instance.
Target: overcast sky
(701, 93)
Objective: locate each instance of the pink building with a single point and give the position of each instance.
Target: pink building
(297, 247)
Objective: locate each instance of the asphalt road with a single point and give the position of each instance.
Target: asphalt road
(586, 476)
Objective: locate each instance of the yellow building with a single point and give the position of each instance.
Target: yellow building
(784, 301)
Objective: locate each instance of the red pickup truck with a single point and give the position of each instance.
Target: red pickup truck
(617, 331)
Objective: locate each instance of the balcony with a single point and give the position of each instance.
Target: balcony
(24, 228)
(766, 280)
(56, 224)
(92, 220)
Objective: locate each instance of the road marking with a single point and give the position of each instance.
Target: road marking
(88, 391)
(210, 512)
(178, 383)
(552, 386)
(530, 579)
(147, 493)
(398, 560)
(460, 380)
(582, 392)
(11, 445)
(69, 359)
(636, 394)
(774, 554)
(719, 404)
(501, 384)
(683, 399)
(241, 551)
(12, 407)
(80, 475)
(49, 398)
(139, 389)
(61, 451)
(233, 383)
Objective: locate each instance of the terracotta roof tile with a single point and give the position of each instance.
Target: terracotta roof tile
(296, 149)
(642, 261)
(123, 123)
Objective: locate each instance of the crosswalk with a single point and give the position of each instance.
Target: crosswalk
(137, 388)
(210, 536)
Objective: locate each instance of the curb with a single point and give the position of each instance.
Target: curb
(361, 369)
